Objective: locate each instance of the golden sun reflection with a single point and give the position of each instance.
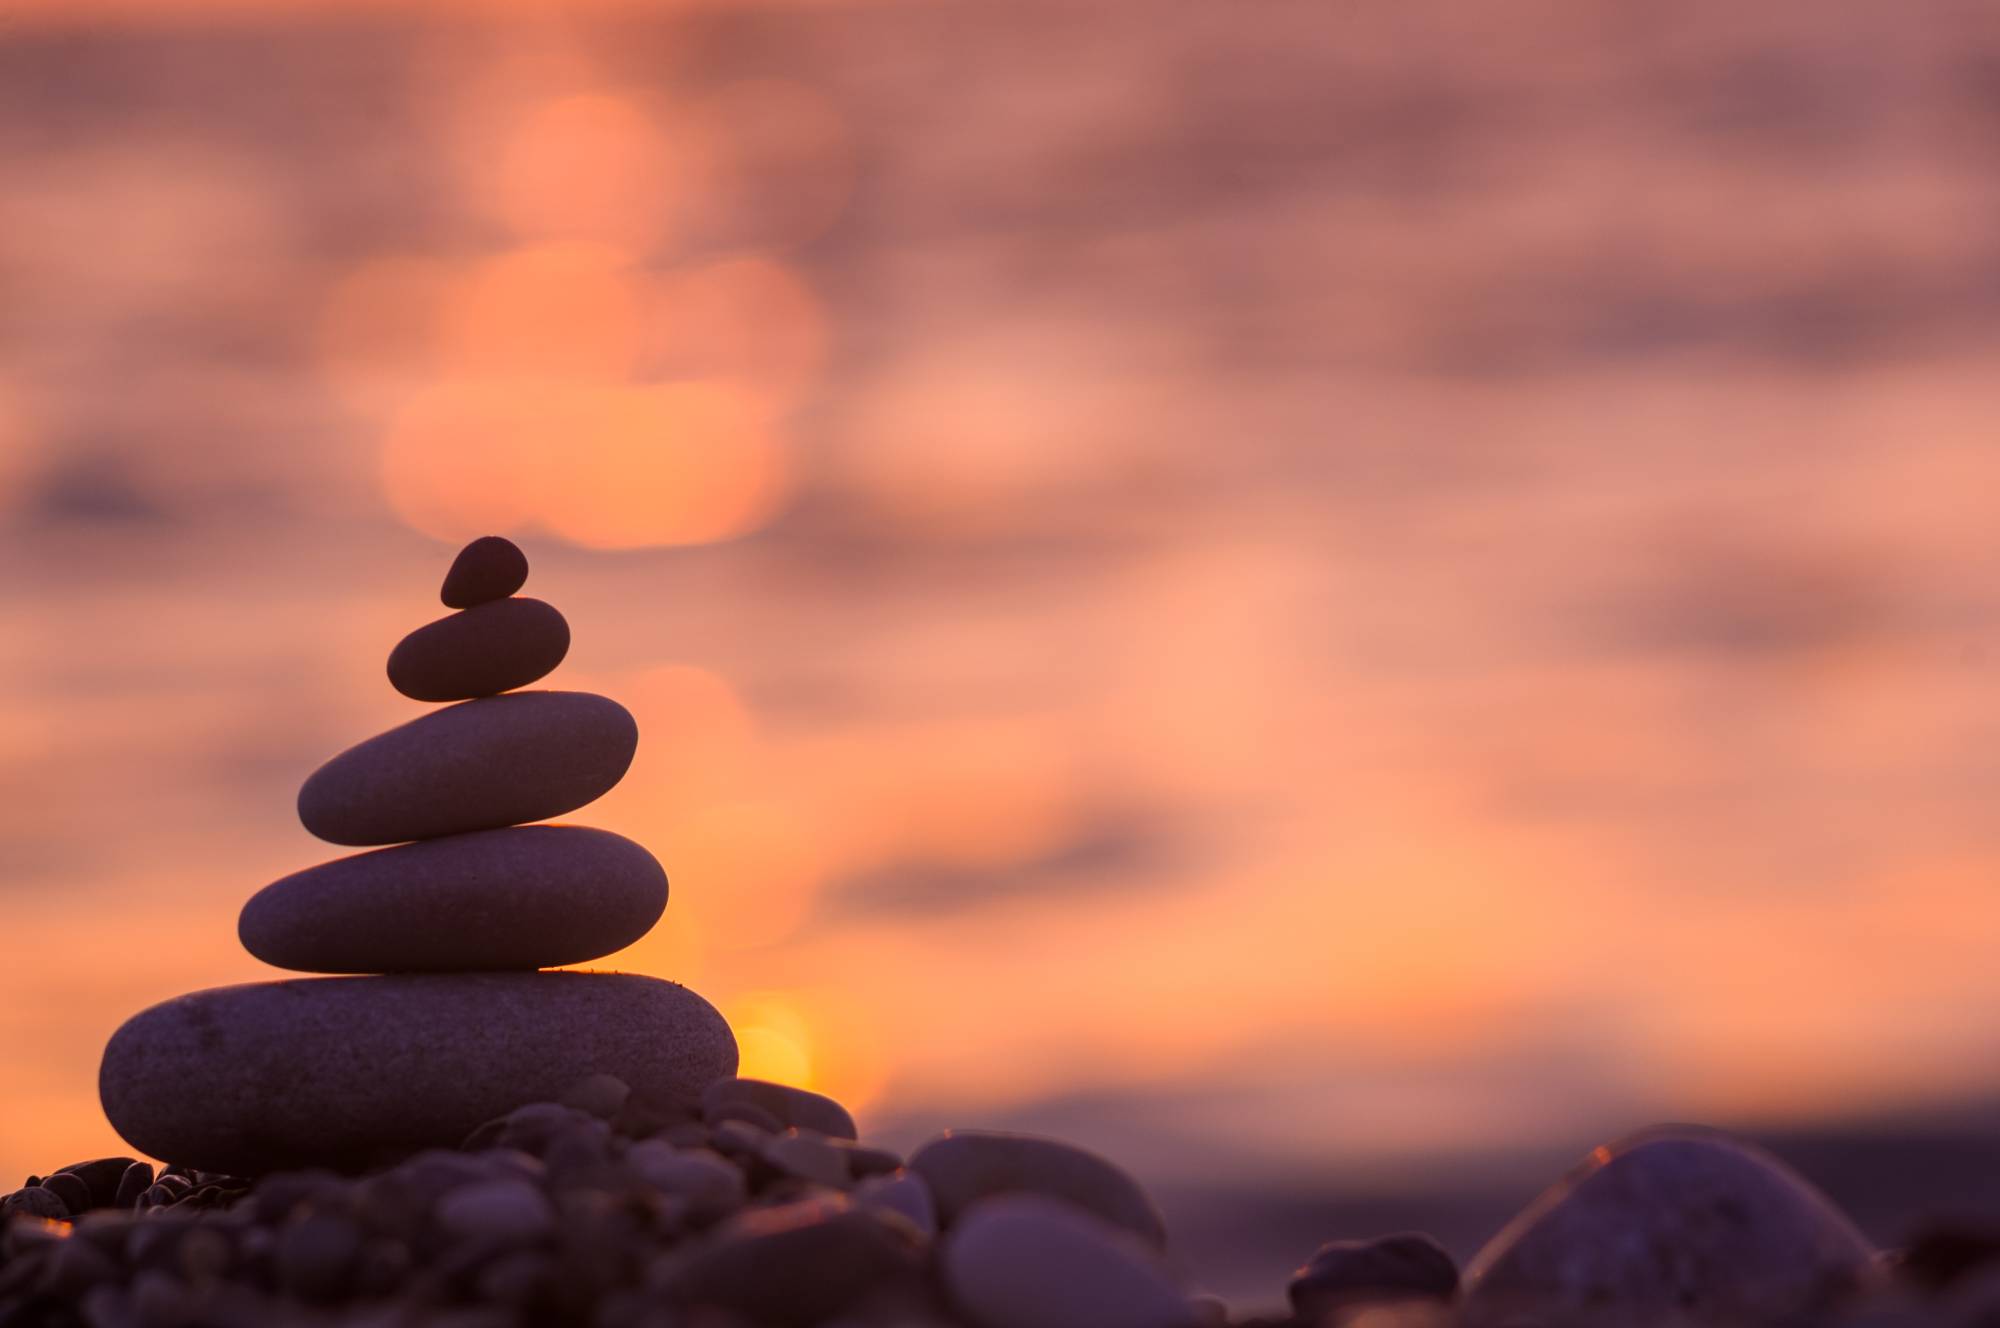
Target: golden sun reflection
(569, 310)
(751, 868)
(809, 1038)
(772, 1040)
(601, 465)
(679, 463)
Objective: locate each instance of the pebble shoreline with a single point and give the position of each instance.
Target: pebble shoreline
(606, 1211)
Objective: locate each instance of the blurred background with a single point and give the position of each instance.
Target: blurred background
(1339, 602)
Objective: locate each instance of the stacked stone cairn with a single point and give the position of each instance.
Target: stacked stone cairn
(455, 1138)
(454, 1022)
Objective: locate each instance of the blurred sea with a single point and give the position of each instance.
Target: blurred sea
(1339, 601)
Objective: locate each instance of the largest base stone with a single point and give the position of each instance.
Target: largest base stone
(347, 1072)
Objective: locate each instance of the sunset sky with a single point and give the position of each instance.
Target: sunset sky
(1388, 595)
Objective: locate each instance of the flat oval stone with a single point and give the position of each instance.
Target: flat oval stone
(965, 1166)
(478, 765)
(480, 651)
(345, 1072)
(532, 896)
(1026, 1261)
(489, 568)
(796, 1108)
(1671, 1226)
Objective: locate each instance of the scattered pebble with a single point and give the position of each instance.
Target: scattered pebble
(1344, 1274)
(316, 1254)
(100, 1177)
(34, 1201)
(793, 1265)
(512, 1212)
(599, 1095)
(1666, 1227)
(904, 1194)
(809, 1157)
(963, 1167)
(75, 1195)
(1028, 1261)
(557, 1212)
(793, 1108)
(747, 1112)
(138, 1178)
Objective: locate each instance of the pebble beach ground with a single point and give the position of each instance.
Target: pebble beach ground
(760, 1208)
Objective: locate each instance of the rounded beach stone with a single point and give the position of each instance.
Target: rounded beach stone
(903, 1193)
(507, 1212)
(792, 1107)
(694, 1174)
(1026, 1261)
(794, 1264)
(342, 1072)
(1347, 1273)
(532, 896)
(478, 765)
(100, 1176)
(1670, 1226)
(480, 651)
(74, 1194)
(34, 1201)
(489, 568)
(810, 1157)
(965, 1166)
(138, 1178)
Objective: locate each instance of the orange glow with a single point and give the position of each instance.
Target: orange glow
(457, 459)
(606, 467)
(682, 463)
(595, 167)
(816, 1038)
(707, 741)
(565, 310)
(772, 1040)
(979, 795)
(749, 871)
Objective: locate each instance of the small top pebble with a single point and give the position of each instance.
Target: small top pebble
(489, 568)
